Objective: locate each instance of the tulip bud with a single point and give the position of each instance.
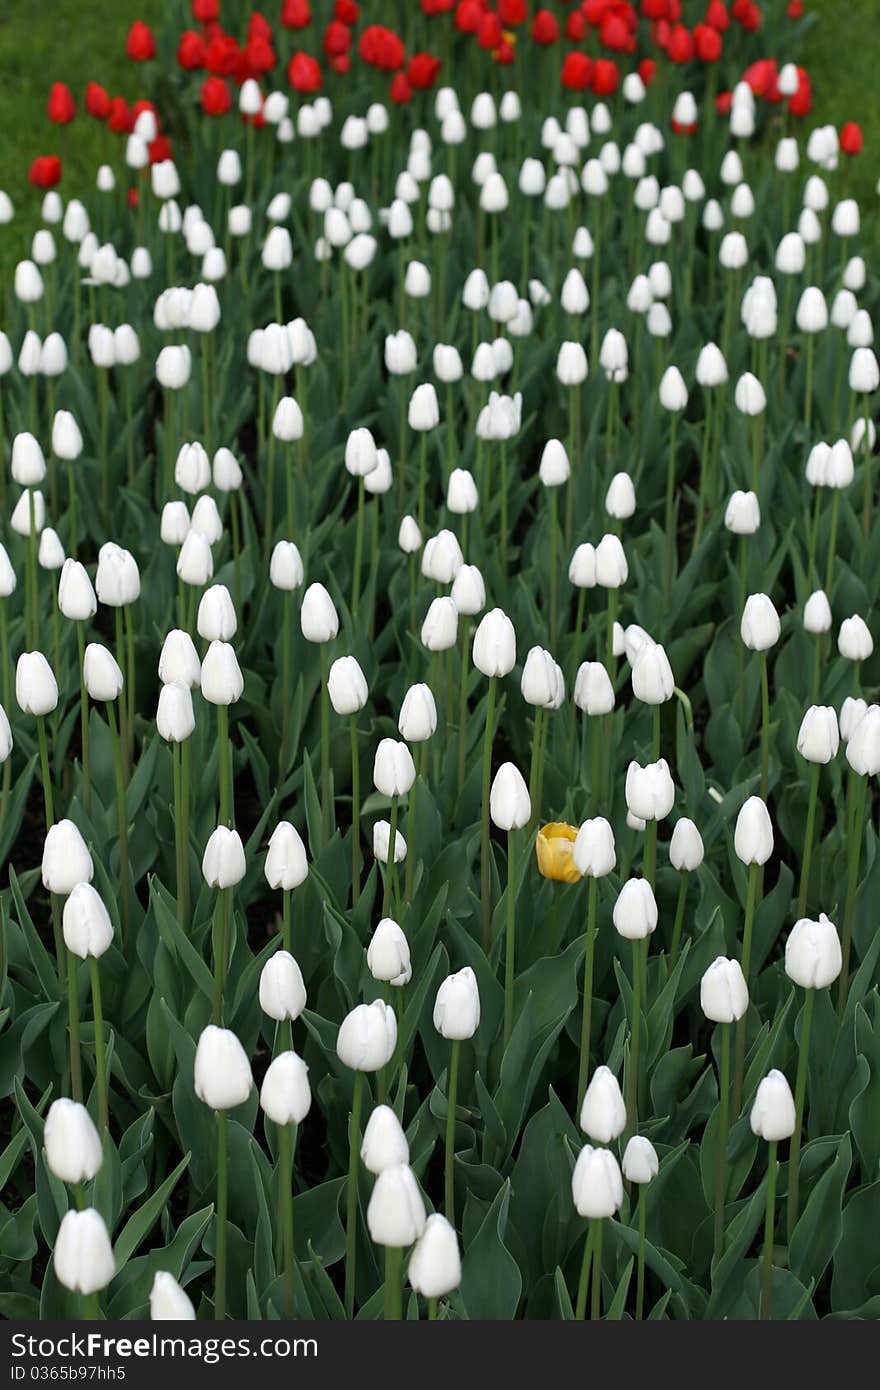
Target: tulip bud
(367, 1037)
(393, 768)
(854, 641)
(469, 591)
(347, 686)
(221, 680)
(509, 804)
(50, 555)
(753, 836)
(83, 1255)
(635, 910)
(27, 464)
(819, 736)
(442, 557)
(724, 994)
(457, 1006)
(409, 537)
(117, 581)
(743, 514)
(285, 1095)
(812, 953)
(652, 678)
(282, 991)
(772, 1115)
(286, 864)
(36, 691)
(222, 1072)
(863, 748)
(760, 626)
(686, 846)
(396, 1212)
(223, 862)
(66, 860)
(86, 923)
(650, 791)
(418, 714)
(77, 598)
(388, 956)
(594, 852)
(593, 691)
(168, 1301)
(71, 1142)
(101, 674)
(175, 719)
(640, 1162)
(440, 627)
(494, 647)
(435, 1263)
(178, 659)
(596, 1183)
(611, 566)
(554, 469)
(384, 1143)
(319, 620)
(603, 1113)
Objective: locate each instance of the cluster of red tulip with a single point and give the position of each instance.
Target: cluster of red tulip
(613, 25)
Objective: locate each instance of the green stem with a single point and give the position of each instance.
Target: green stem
(286, 923)
(351, 1203)
(632, 1109)
(73, 1025)
(391, 862)
(220, 1226)
(84, 720)
(462, 702)
(580, 1308)
(721, 1143)
(285, 684)
(809, 832)
(449, 1166)
(767, 1259)
(221, 950)
(48, 802)
(356, 813)
(596, 1301)
(225, 811)
(855, 836)
(554, 565)
(679, 919)
(485, 846)
(121, 815)
(325, 746)
(640, 1267)
(670, 504)
(285, 1184)
(800, 1092)
(510, 943)
(751, 905)
(586, 1015)
(358, 549)
(393, 1284)
(100, 1053)
(765, 726)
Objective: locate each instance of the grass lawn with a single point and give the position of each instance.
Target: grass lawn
(43, 41)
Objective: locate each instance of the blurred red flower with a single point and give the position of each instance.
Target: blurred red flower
(304, 73)
(61, 106)
(140, 44)
(191, 50)
(45, 171)
(545, 28)
(422, 70)
(97, 101)
(577, 71)
(216, 97)
(851, 139)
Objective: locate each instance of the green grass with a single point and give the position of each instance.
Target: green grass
(839, 54)
(72, 41)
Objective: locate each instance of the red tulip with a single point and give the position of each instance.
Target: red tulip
(707, 43)
(613, 32)
(851, 139)
(655, 9)
(747, 14)
(795, 9)
(647, 70)
(97, 101)
(140, 44)
(401, 91)
(575, 26)
(61, 105)
(422, 70)
(337, 38)
(605, 77)
(717, 16)
(381, 48)
(205, 11)
(468, 16)
(191, 50)
(304, 73)
(545, 28)
(577, 71)
(120, 118)
(512, 12)
(490, 32)
(504, 54)
(222, 55)
(132, 198)
(259, 28)
(295, 14)
(160, 149)
(45, 171)
(215, 97)
(723, 103)
(681, 44)
(801, 104)
(346, 11)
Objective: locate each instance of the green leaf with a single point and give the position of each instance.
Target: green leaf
(491, 1283)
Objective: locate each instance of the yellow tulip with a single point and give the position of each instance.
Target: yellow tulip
(553, 848)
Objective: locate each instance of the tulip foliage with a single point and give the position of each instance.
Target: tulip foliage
(437, 586)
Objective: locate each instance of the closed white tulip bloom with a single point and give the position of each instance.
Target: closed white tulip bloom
(863, 748)
(759, 626)
(83, 1255)
(36, 691)
(66, 860)
(819, 736)
(611, 568)
(652, 678)
(724, 994)
(282, 991)
(382, 843)
(319, 620)
(854, 641)
(594, 853)
(635, 910)
(384, 1143)
(223, 862)
(221, 680)
(168, 1301)
(457, 1006)
(620, 499)
(753, 836)
(86, 923)
(222, 1073)
(686, 846)
(650, 790)
(286, 865)
(603, 1112)
(367, 1037)
(71, 1143)
(175, 718)
(596, 1183)
(812, 953)
(494, 646)
(469, 591)
(286, 567)
(418, 714)
(742, 516)
(393, 768)
(852, 712)
(593, 691)
(435, 1263)
(396, 1212)
(640, 1162)
(388, 957)
(509, 804)
(347, 686)
(76, 597)
(178, 659)
(773, 1115)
